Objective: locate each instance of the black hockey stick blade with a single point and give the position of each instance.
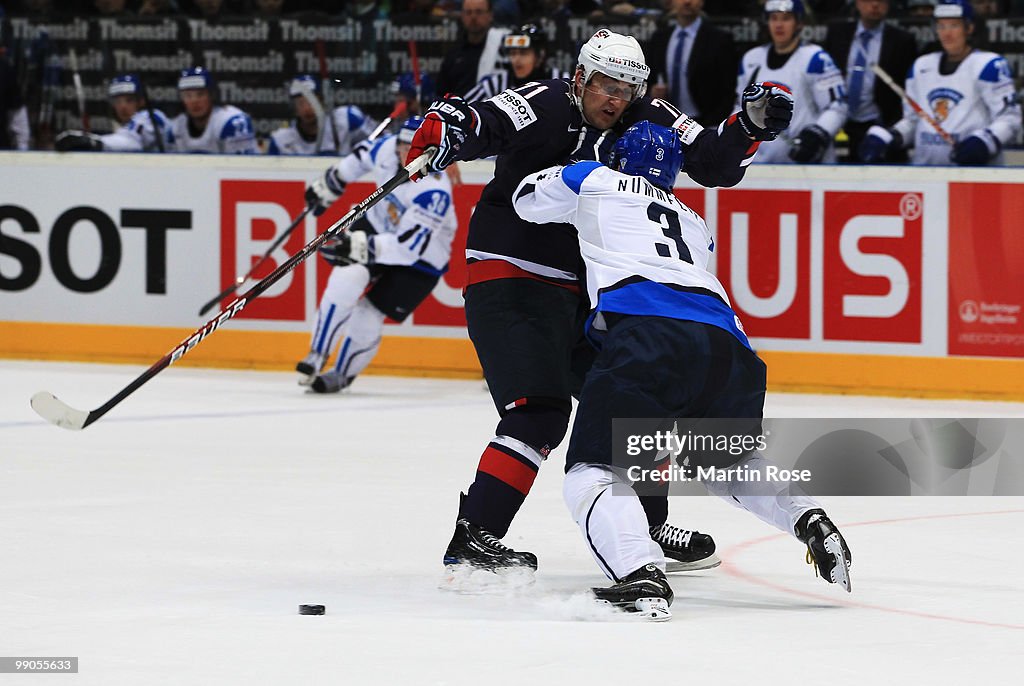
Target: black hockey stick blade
(241, 279)
(59, 413)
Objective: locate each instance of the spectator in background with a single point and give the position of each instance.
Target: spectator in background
(987, 8)
(477, 55)
(855, 46)
(819, 108)
(342, 128)
(920, 8)
(152, 8)
(143, 129)
(14, 130)
(693, 64)
(206, 126)
(111, 8)
(969, 92)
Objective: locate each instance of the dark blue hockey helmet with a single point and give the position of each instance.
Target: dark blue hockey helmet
(124, 84)
(303, 83)
(954, 9)
(794, 7)
(195, 78)
(409, 128)
(405, 84)
(649, 150)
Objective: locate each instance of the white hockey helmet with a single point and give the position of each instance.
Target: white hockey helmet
(617, 56)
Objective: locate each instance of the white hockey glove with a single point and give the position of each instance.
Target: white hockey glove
(348, 248)
(765, 110)
(324, 191)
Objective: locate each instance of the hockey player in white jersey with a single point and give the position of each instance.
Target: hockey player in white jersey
(346, 126)
(670, 346)
(138, 123)
(819, 107)
(385, 267)
(969, 92)
(526, 51)
(206, 127)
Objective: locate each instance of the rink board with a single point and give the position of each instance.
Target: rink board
(874, 280)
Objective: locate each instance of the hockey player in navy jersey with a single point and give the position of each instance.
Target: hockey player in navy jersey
(139, 123)
(205, 126)
(342, 128)
(969, 92)
(670, 347)
(819, 107)
(526, 51)
(385, 266)
(523, 298)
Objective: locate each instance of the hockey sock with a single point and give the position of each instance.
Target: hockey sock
(362, 340)
(344, 287)
(655, 500)
(778, 503)
(611, 519)
(509, 466)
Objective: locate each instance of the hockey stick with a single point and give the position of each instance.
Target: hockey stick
(241, 279)
(395, 113)
(325, 86)
(156, 124)
(57, 412)
(918, 110)
(79, 90)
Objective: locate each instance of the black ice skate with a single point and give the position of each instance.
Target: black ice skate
(332, 382)
(826, 547)
(309, 366)
(478, 548)
(645, 592)
(685, 550)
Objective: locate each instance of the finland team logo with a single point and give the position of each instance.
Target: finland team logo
(942, 102)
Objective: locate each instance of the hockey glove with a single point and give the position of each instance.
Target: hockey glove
(976, 150)
(878, 145)
(446, 126)
(324, 191)
(348, 248)
(77, 141)
(810, 145)
(766, 110)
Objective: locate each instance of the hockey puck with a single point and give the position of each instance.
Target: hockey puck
(312, 609)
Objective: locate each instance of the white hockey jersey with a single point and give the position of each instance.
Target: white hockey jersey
(229, 130)
(138, 134)
(349, 121)
(646, 253)
(978, 95)
(416, 222)
(819, 95)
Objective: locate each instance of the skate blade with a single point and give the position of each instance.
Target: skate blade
(840, 570)
(709, 562)
(469, 580)
(306, 379)
(643, 609)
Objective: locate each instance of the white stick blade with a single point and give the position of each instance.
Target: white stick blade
(57, 412)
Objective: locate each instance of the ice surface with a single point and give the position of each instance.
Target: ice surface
(173, 541)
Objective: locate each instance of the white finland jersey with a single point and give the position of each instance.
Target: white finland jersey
(229, 130)
(137, 135)
(819, 95)
(646, 253)
(350, 123)
(979, 95)
(415, 223)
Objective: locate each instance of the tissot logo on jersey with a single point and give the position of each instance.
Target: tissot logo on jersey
(516, 107)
